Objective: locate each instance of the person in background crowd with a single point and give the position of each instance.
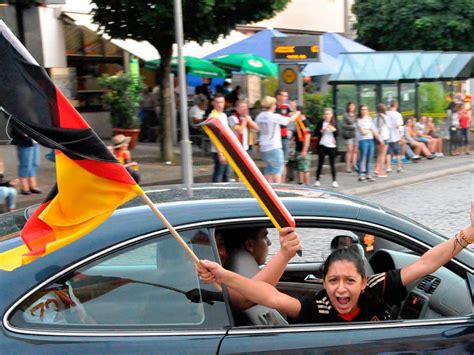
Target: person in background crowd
(382, 141)
(349, 134)
(242, 124)
(221, 166)
(235, 96)
(29, 160)
(196, 112)
(302, 135)
(326, 131)
(283, 108)
(120, 149)
(434, 144)
(454, 127)
(395, 124)
(7, 190)
(410, 138)
(148, 104)
(432, 132)
(366, 131)
(226, 88)
(464, 124)
(270, 141)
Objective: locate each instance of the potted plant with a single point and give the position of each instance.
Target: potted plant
(122, 96)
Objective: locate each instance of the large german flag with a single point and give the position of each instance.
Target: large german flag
(91, 183)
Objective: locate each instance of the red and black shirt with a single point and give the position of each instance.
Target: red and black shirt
(382, 291)
(283, 110)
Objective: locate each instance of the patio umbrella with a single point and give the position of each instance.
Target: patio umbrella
(195, 66)
(246, 63)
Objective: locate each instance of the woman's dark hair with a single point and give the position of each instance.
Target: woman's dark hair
(350, 254)
(300, 108)
(348, 104)
(359, 114)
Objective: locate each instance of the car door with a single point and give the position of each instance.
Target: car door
(445, 334)
(141, 296)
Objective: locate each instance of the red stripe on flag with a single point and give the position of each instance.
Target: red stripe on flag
(36, 234)
(108, 170)
(68, 116)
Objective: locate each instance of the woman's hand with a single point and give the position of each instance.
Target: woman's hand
(289, 242)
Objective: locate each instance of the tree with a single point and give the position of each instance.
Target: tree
(415, 24)
(153, 21)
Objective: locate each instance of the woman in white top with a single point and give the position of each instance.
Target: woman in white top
(382, 141)
(326, 132)
(366, 132)
(270, 138)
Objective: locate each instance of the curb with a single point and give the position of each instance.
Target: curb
(389, 185)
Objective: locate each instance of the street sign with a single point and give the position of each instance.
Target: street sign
(290, 80)
(296, 49)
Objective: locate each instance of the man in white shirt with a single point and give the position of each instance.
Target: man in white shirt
(221, 166)
(196, 113)
(395, 124)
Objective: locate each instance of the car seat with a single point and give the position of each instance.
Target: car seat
(242, 262)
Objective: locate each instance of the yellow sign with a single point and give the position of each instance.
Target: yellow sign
(289, 76)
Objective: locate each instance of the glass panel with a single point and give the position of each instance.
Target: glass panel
(389, 93)
(367, 97)
(345, 93)
(153, 283)
(407, 99)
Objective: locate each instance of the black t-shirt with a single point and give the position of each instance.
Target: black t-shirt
(301, 130)
(382, 290)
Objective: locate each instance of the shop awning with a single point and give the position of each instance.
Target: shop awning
(145, 51)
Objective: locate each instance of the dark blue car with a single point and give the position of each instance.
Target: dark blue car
(128, 287)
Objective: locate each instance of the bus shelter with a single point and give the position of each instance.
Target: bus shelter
(378, 77)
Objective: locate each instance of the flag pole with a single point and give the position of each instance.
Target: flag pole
(175, 234)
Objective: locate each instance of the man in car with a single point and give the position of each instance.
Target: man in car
(247, 249)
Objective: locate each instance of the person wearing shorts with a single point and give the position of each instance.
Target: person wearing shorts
(302, 134)
(270, 138)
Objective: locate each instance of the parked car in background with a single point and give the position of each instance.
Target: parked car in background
(128, 286)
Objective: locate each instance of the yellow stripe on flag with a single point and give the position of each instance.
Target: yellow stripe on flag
(239, 172)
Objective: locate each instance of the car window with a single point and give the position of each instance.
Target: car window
(153, 283)
(316, 243)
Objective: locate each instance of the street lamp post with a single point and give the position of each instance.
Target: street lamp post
(186, 154)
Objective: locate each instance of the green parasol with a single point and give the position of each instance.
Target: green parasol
(194, 66)
(246, 63)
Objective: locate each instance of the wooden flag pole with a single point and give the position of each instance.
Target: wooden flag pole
(175, 234)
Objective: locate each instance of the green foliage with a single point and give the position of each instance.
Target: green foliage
(123, 97)
(202, 19)
(415, 24)
(314, 105)
(269, 86)
(432, 98)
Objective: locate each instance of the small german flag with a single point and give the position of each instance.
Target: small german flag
(246, 169)
(91, 183)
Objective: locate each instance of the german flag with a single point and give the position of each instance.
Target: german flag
(91, 183)
(246, 169)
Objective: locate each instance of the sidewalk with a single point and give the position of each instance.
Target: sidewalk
(154, 172)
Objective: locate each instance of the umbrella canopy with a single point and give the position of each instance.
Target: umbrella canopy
(195, 66)
(247, 63)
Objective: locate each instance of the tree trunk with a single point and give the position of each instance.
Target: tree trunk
(166, 135)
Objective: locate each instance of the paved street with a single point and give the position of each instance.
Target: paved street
(442, 204)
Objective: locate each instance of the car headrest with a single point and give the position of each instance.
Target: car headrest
(242, 262)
